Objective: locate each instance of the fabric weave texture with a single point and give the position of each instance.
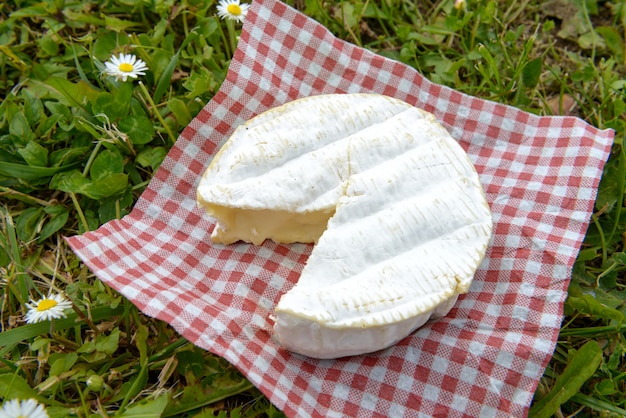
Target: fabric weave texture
(540, 175)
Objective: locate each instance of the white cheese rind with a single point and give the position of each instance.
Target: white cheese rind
(409, 223)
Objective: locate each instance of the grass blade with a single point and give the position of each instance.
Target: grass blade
(166, 78)
(598, 405)
(27, 172)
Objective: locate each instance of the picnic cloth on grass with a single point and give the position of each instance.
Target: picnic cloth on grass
(485, 358)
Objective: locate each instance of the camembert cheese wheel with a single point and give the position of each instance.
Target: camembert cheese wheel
(392, 202)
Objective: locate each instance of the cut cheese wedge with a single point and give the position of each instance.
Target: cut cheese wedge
(392, 202)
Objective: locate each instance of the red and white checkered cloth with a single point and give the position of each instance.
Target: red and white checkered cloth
(484, 359)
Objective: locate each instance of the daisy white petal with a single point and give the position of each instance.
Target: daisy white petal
(47, 308)
(26, 408)
(232, 10)
(124, 66)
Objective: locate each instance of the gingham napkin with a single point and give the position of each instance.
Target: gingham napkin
(484, 359)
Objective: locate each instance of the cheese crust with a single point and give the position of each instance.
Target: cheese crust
(392, 202)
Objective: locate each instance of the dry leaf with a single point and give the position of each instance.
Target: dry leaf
(563, 105)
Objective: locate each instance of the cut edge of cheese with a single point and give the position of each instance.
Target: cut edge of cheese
(280, 226)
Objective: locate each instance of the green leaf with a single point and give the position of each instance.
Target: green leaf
(109, 105)
(190, 364)
(613, 40)
(151, 157)
(613, 299)
(114, 106)
(68, 155)
(491, 63)
(152, 408)
(606, 387)
(200, 82)
(587, 254)
(68, 93)
(19, 126)
(423, 39)
(76, 17)
(108, 343)
(38, 10)
(61, 113)
(59, 412)
(180, 111)
(70, 182)
(48, 46)
(531, 72)
(587, 304)
(39, 343)
(33, 108)
(118, 25)
(75, 182)
(47, 125)
(115, 208)
(581, 366)
(112, 185)
(105, 164)
(62, 362)
(57, 221)
(106, 42)
(13, 386)
(34, 154)
(87, 348)
(26, 223)
(139, 129)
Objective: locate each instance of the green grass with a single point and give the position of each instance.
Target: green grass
(77, 149)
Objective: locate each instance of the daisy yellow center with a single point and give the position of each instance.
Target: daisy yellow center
(46, 304)
(126, 67)
(234, 9)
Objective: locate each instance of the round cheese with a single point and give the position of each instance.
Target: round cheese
(392, 202)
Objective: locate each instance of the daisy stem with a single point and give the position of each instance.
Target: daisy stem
(232, 36)
(225, 41)
(157, 114)
(84, 317)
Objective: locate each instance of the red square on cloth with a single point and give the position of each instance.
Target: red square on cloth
(540, 175)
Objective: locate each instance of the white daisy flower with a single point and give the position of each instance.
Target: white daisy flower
(47, 308)
(124, 66)
(233, 10)
(28, 408)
